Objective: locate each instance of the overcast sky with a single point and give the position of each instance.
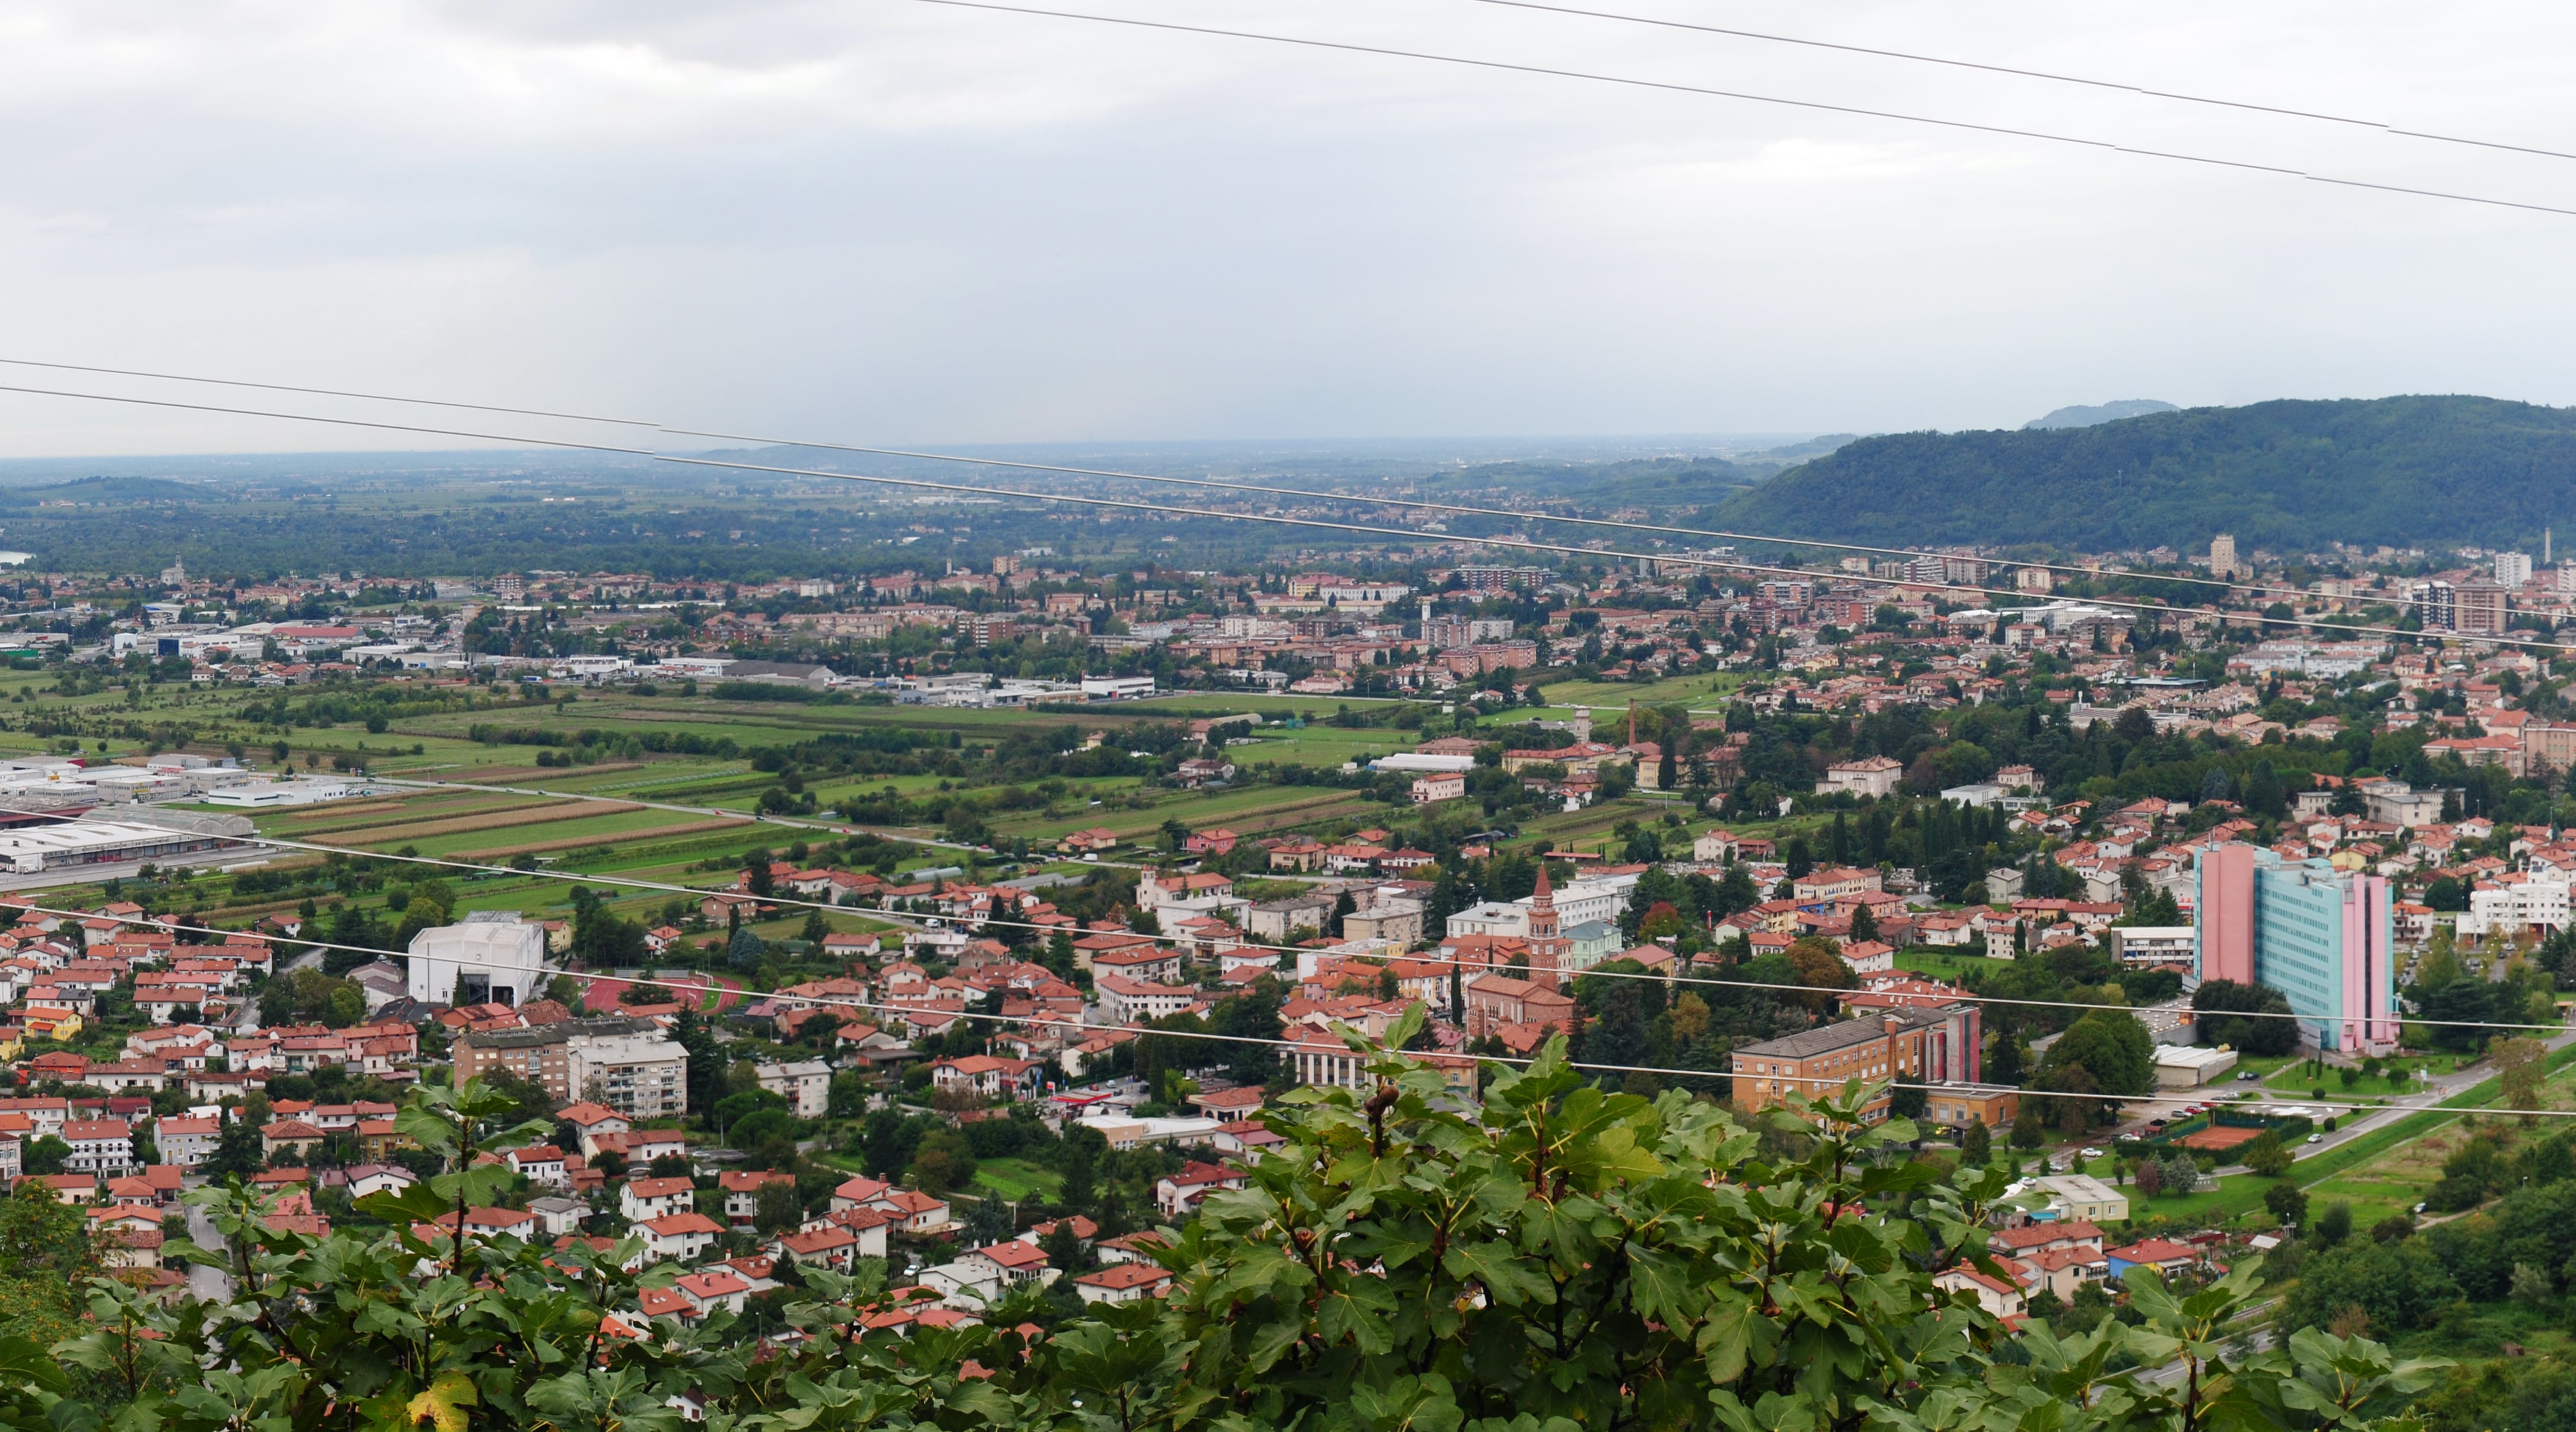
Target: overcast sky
(887, 221)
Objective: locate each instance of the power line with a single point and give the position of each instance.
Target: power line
(2027, 74)
(1399, 533)
(918, 483)
(324, 392)
(1424, 505)
(1526, 545)
(339, 422)
(1061, 1023)
(1710, 92)
(1212, 483)
(1962, 997)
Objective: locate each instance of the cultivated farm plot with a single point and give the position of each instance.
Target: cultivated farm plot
(578, 829)
(1251, 811)
(317, 823)
(536, 812)
(486, 827)
(558, 777)
(1588, 829)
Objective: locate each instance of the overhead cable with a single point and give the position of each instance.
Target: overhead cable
(2049, 75)
(1412, 504)
(1403, 534)
(1427, 505)
(1670, 87)
(325, 392)
(1171, 942)
(1060, 1023)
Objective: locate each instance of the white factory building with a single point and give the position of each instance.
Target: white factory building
(496, 958)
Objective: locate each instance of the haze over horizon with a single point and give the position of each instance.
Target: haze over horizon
(890, 222)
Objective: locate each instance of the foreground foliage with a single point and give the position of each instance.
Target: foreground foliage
(1558, 1259)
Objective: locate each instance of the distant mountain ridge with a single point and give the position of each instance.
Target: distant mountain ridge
(112, 489)
(2084, 417)
(2291, 474)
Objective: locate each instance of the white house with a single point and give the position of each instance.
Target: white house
(1997, 1297)
(1015, 1261)
(558, 1216)
(716, 1288)
(680, 1235)
(543, 1164)
(827, 1247)
(185, 1141)
(368, 1179)
(649, 1198)
(919, 1212)
(1126, 1001)
(591, 1120)
(1868, 776)
(1123, 1283)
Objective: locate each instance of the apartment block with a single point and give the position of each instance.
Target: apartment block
(1941, 1045)
(2320, 936)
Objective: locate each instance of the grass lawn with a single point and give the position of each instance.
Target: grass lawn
(2297, 1079)
(1017, 1179)
(1324, 745)
(1601, 695)
(2387, 1169)
(1944, 966)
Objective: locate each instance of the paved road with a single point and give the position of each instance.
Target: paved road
(212, 1285)
(247, 1017)
(2258, 1340)
(2428, 1094)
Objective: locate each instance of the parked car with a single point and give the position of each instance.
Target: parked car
(2316, 1138)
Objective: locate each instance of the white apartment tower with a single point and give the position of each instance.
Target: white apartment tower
(2512, 569)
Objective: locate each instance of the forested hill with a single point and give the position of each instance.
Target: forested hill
(2290, 475)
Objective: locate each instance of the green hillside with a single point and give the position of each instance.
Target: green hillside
(2292, 475)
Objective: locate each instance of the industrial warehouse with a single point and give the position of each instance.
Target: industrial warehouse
(30, 850)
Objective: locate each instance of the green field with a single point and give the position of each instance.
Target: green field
(2385, 1171)
(1945, 966)
(1605, 697)
(489, 802)
(1017, 1179)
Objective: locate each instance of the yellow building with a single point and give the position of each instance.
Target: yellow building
(53, 1021)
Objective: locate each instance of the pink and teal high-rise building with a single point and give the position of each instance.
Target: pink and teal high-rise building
(2319, 935)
